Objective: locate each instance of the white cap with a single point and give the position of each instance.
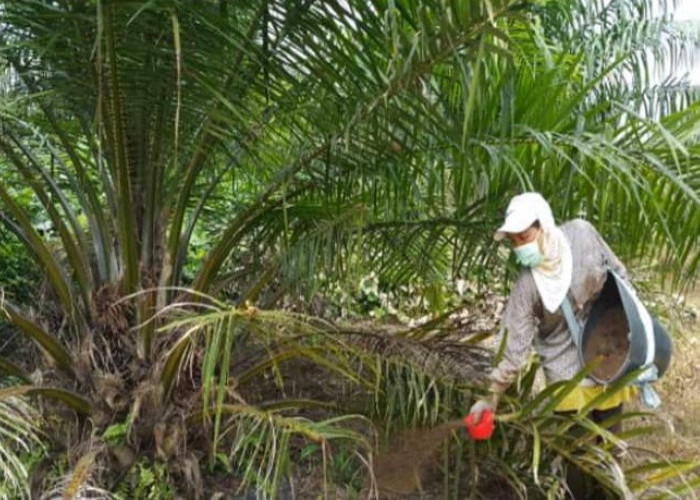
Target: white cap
(523, 210)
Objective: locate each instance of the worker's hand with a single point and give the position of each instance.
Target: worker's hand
(480, 407)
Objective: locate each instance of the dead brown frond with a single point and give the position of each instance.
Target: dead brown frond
(440, 358)
(114, 316)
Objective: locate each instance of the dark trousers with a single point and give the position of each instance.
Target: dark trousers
(582, 485)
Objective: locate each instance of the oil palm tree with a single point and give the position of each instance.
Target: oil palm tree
(258, 108)
(236, 149)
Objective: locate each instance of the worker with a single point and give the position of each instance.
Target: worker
(572, 259)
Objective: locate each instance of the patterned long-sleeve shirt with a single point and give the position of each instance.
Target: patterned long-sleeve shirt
(528, 324)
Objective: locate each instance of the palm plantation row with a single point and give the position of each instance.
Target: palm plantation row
(179, 173)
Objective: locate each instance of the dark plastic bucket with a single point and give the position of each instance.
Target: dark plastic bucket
(615, 332)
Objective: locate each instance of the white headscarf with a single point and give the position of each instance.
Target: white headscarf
(553, 275)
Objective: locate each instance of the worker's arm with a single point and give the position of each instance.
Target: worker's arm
(521, 323)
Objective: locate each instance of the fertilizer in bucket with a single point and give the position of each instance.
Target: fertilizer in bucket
(609, 343)
(621, 334)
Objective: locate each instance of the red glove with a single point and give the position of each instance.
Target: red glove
(479, 421)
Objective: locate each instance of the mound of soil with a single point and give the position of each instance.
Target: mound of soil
(400, 468)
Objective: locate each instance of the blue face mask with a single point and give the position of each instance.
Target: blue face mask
(528, 255)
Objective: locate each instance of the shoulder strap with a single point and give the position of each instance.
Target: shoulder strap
(571, 321)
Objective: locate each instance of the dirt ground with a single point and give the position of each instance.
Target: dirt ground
(679, 390)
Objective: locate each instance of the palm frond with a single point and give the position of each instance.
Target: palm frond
(261, 443)
(19, 436)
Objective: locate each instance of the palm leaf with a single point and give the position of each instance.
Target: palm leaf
(19, 435)
(62, 357)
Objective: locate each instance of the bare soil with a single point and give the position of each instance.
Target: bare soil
(678, 436)
(400, 468)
